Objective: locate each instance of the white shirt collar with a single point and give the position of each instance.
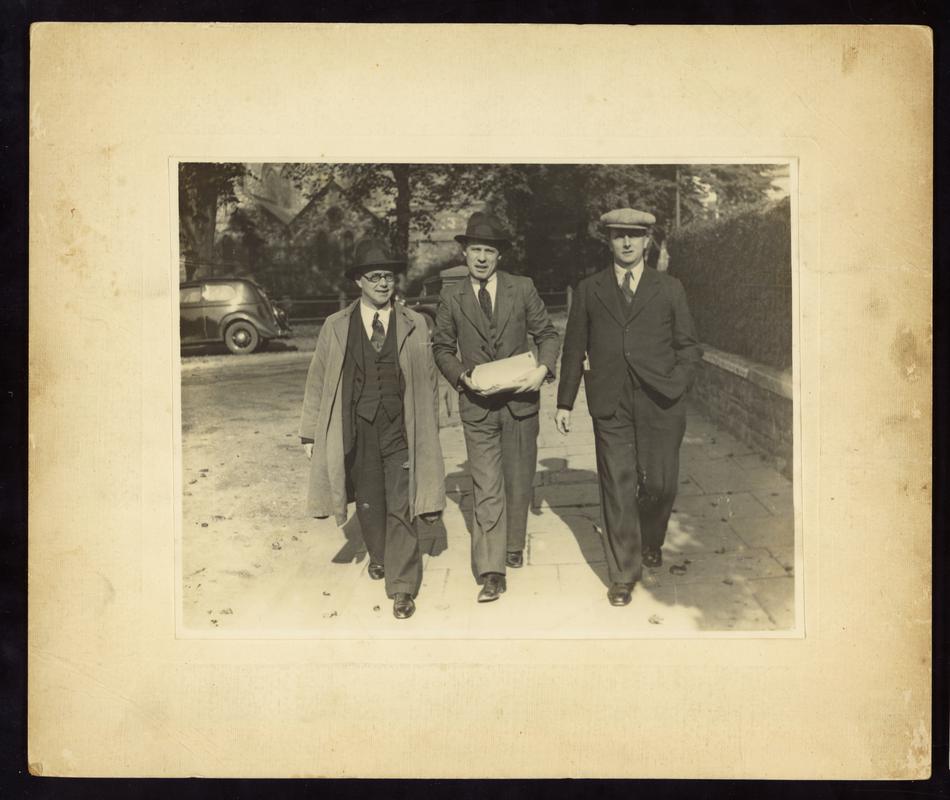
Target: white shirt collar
(367, 312)
(491, 285)
(636, 272)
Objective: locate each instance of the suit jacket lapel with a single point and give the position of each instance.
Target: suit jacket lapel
(503, 302)
(404, 326)
(353, 344)
(470, 307)
(607, 292)
(646, 288)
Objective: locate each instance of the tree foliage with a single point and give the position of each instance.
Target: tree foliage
(202, 187)
(738, 276)
(551, 209)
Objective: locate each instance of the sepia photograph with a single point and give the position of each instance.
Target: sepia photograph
(531, 401)
(487, 400)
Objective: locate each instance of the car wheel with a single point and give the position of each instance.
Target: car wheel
(241, 338)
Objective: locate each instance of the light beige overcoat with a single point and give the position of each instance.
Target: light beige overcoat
(322, 419)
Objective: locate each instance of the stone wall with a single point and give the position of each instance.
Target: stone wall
(753, 402)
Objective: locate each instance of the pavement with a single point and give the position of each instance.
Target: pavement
(251, 563)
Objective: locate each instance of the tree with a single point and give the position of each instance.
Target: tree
(551, 209)
(201, 190)
(735, 186)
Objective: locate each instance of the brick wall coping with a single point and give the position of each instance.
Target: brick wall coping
(776, 381)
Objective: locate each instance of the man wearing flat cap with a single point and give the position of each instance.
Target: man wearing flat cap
(490, 316)
(370, 424)
(634, 326)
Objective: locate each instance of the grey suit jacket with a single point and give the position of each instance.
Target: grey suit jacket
(463, 339)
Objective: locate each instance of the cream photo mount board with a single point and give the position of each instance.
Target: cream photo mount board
(113, 692)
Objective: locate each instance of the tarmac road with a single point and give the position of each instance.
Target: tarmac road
(253, 564)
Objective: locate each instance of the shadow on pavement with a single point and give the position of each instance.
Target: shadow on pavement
(353, 550)
(458, 486)
(433, 539)
(583, 522)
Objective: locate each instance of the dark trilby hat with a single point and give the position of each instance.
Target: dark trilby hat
(484, 227)
(372, 253)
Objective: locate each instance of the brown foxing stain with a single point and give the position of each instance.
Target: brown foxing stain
(849, 57)
(905, 353)
(73, 256)
(876, 306)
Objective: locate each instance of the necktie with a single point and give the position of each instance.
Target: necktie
(379, 333)
(626, 287)
(484, 299)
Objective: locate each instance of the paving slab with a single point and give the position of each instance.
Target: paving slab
(719, 506)
(725, 474)
(710, 536)
(724, 608)
(580, 543)
(769, 532)
(777, 598)
(251, 561)
(778, 502)
(735, 566)
(785, 556)
(687, 486)
(566, 495)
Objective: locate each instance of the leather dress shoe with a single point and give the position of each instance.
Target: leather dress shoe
(494, 586)
(376, 571)
(514, 559)
(403, 607)
(619, 593)
(652, 557)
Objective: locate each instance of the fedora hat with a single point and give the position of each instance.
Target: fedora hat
(484, 227)
(372, 253)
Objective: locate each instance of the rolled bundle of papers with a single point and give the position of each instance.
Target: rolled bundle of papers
(504, 374)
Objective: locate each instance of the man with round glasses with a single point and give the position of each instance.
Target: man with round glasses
(633, 324)
(370, 423)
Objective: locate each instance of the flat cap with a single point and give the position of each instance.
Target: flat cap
(627, 218)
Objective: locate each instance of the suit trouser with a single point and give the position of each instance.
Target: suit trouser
(502, 458)
(380, 477)
(638, 462)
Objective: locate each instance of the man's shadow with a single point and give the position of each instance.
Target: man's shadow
(458, 489)
(433, 540)
(584, 521)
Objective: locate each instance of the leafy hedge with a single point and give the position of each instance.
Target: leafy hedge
(738, 278)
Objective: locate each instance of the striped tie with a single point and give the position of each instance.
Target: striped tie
(379, 333)
(626, 288)
(484, 299)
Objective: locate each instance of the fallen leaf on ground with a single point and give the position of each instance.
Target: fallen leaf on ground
(655, 619)
(677, 569)
(727, 581)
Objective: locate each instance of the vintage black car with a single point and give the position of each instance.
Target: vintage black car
(235, 311)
